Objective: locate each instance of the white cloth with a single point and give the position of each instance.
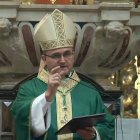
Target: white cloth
(97, 134)
(39, 109)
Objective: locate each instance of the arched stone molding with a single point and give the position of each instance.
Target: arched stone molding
(11, 48)
(84, 47)
(30, 47)
(107, 43)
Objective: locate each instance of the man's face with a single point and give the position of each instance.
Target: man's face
(63, 57)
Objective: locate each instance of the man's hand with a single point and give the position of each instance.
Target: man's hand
(53, 82)
(87, 133)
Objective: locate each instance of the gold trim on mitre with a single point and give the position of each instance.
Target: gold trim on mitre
(55, 31)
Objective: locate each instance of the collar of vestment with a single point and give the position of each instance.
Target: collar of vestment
(65, 85)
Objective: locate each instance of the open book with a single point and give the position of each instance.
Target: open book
(80, 123)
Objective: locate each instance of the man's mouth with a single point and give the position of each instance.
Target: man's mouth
(62, 66)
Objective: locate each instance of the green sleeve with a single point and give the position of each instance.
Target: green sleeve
(21, 112)
(106, 128)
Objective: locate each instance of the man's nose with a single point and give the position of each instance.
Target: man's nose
(62, 59)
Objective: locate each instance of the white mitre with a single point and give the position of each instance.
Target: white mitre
(55, 31)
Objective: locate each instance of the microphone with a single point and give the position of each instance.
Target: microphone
(102, 91)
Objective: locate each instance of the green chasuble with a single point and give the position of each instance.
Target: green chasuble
(82, 101)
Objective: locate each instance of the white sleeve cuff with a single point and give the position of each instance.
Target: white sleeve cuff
(40, 107)
(97, 134)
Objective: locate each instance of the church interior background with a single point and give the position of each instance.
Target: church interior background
(107, 50)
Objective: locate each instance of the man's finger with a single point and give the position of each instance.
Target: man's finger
(55, 69)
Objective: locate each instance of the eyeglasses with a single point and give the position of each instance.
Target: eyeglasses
(66, 54)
